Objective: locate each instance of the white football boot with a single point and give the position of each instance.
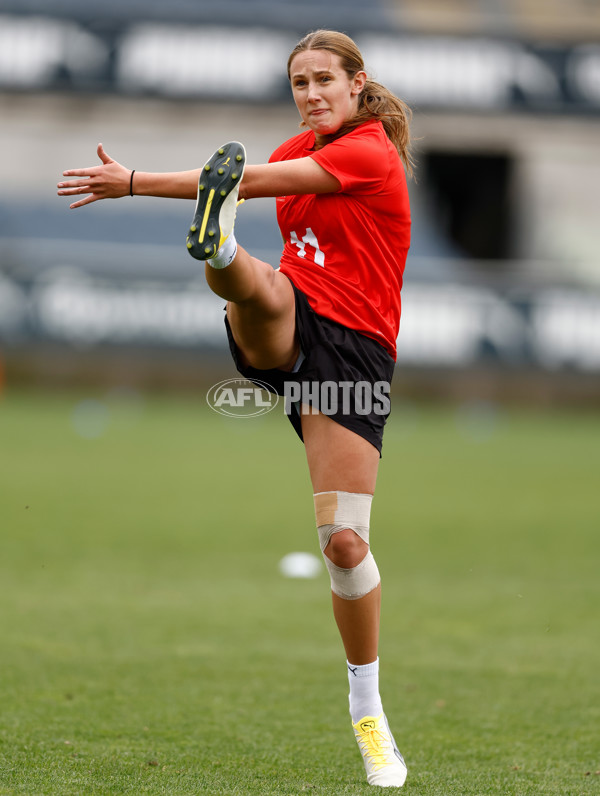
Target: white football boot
(217, 201)
(384, 764)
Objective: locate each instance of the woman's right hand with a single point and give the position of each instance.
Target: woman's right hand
(111, 180)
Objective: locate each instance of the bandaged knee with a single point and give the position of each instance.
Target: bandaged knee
(338, 511)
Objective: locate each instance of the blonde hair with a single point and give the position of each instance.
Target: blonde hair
(374, 102)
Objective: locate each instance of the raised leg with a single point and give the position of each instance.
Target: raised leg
(260, 308)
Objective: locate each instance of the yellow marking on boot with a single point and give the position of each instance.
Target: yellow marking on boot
(206, 214)
(226, 162)
(373, 741)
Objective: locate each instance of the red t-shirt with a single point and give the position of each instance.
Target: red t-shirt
(347, 250)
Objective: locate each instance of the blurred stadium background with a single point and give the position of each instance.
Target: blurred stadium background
(502, 294)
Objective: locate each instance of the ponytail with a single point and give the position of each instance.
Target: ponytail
(377, 102)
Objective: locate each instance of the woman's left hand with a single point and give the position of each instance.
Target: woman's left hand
(111, 180)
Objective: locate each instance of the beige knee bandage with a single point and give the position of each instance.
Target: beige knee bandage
(337, 511)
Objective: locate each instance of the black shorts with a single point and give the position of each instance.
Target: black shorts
(343, 374)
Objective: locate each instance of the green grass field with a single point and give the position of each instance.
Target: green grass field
(150, 645)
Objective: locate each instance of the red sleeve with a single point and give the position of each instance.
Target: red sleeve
(359, 159)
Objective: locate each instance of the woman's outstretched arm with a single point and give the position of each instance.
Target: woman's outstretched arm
(112, 180)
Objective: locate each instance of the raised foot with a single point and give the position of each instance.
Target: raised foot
(217, 200)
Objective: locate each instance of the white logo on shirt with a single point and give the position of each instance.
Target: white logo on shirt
(311, 239)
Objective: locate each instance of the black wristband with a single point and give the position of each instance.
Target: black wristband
(131, 183)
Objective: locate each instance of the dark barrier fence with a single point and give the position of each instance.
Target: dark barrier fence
(195, 51)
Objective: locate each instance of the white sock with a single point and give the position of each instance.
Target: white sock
(225, 255)
(364, 690)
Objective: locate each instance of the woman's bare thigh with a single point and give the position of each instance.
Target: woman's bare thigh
(338, 459)
(264, 325)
